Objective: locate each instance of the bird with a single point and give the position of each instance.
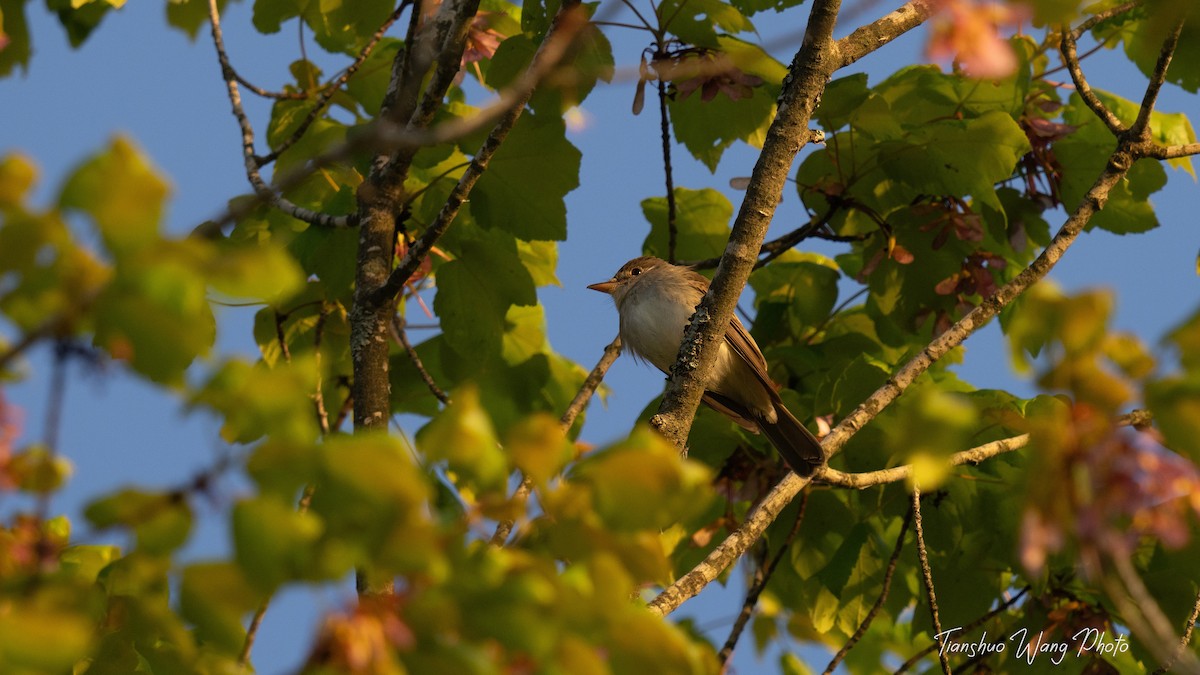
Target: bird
(655, 299)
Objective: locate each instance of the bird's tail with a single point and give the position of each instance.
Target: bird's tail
(799, 448)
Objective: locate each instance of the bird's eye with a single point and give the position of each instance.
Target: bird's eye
(635, 271)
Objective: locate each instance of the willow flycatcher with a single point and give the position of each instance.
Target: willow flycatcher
(655, 300)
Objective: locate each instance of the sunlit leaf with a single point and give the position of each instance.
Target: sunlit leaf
(702, 220)
(464, 437)
(122, 193)
(523, 189)
(214, 596)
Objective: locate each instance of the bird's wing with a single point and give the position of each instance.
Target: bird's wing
(731, 409)
(744, 346)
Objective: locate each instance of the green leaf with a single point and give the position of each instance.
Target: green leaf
(702, 220)
(14, 35)
(957, 157)
(122, 193)
(1144, 40)
(835, 574)
(18, 174)
(475, 292)
(640, 483)
(84, 562)
(281, 468)
(258, 400)
(538, 447)
(510, 61)
(541, 259)
(527, 180)
(155, 314)
(345, 26)
(274, 541)
(327, 254)
(752, 7)
(696, 21)
(463, 436)
(35, 469)
(1175, 402)
(841, 98)
(269, 15)
(190, 15)
(81, 17)
(263, 272)
(1084, 154)
(161, 521)
(409, 391)
(708, 128)
(214, 596)
(375, 501)
(802, 293)
(370, 84)
(39, 638)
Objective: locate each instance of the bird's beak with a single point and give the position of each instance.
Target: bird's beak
(604, 286)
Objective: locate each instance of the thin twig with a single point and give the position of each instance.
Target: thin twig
(334, 86)
(27, 340)
(1188, 627)
(566, 25)
(927, 575)
(883, 594)
(284, 350)
(55, 399)
(761, 578)
(776, 247)
(266, 93)
(401, 337)
(318, 392)
(590, 384)
(1173, 151)
(261, 189)
(762, 515)
(1143, 615)
(665, 123)
(1104, 16)
(306, 496)
(861, 481)
(912, 661)
(1071, 61)
(1142, 124)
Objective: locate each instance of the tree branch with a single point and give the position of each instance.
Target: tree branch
(1104, 16)
(264, 191)
(1188, 627)
(1143, 615)
(401, 337)
(1071, 60)
(1173, 151)
(872, 36)
(1141, 126)
(861, 481)
(333, 87)
(927, 575)
(761, 516)
(29, 339)
(761, 579)
(567, 23)
(811, 68)
(776, 247)
(665, 124)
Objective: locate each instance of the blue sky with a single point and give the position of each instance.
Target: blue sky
(134, 76)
